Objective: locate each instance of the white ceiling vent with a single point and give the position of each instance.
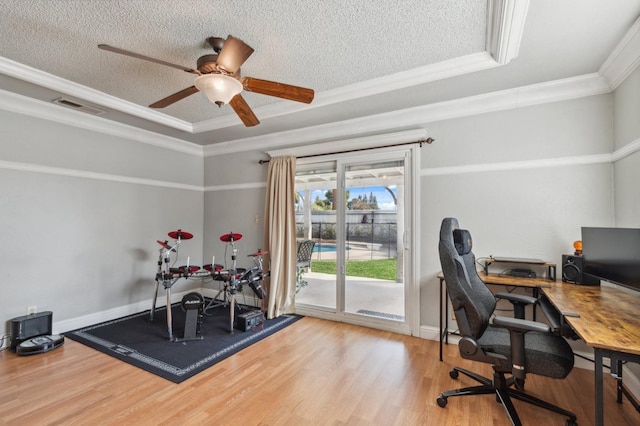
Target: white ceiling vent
(78, 106)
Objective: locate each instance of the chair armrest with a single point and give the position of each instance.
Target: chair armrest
(517, 331)
(520, 325)
(517, 298)
(519, 301)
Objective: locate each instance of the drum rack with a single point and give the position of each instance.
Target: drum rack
(233, 279)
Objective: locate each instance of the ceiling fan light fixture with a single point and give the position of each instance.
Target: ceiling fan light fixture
(219, 88)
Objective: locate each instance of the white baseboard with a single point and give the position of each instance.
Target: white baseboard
(121, 311)
(109, 314)
(631, 382)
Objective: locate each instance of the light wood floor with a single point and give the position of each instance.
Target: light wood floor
(314, 372)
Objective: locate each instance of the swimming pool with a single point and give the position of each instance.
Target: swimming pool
(324, 247)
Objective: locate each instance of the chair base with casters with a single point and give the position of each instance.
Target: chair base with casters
(504, 391)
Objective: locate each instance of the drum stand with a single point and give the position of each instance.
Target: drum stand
(224, 291)
(167, 279)
(231, 285)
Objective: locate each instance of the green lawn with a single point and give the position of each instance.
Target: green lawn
(384, 269)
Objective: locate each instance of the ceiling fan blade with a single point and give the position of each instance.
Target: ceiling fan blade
(175, 97)
(233, 54)
(146, 58)
(241, 107)
(279, 90)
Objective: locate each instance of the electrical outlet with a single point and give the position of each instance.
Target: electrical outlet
(32, 310)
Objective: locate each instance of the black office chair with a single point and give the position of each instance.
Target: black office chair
(513, 346)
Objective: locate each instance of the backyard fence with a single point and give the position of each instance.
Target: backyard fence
(379, 240)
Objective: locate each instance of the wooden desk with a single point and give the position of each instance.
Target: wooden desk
(606, 319)
(497, 279)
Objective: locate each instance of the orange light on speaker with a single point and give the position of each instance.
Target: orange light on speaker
(577, 245)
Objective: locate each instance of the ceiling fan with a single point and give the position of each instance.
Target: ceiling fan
(219, 78)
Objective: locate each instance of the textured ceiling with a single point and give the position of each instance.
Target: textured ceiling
(327, 46)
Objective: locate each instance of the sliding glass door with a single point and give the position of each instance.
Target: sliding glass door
(357, 210)
(316, 220)
(373, 225)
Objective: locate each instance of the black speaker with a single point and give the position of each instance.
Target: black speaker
(28, 326)
(248, 320)
(572, 267)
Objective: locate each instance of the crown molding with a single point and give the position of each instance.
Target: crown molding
(24, 105)
(41, 78)
(505, 25)
(553, 91)
(624, 59)
(426, 74)
(587, 85)
(429, 73)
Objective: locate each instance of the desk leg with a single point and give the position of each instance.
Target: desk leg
(446, 315)
(619, 382)
(441, 320)
(599, 383)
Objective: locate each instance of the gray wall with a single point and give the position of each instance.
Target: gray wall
(529, 210)
(78, 243)
(75, 242)
(234, 202)
(524, 211)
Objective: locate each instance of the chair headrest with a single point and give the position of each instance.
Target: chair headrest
(462, 241)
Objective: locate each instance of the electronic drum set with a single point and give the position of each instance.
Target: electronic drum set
(233, 279)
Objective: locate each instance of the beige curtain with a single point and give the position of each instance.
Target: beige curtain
(280, 235)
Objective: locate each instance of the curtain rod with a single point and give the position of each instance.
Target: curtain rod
(427, 141)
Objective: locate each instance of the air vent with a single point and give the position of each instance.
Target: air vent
(78, 106)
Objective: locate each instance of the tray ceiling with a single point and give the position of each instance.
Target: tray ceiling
(362, 58)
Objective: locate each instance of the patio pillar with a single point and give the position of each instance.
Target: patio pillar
(400, 233)
(307, 214)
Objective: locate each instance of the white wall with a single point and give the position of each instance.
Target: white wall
(81, 212)
(627, 170)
